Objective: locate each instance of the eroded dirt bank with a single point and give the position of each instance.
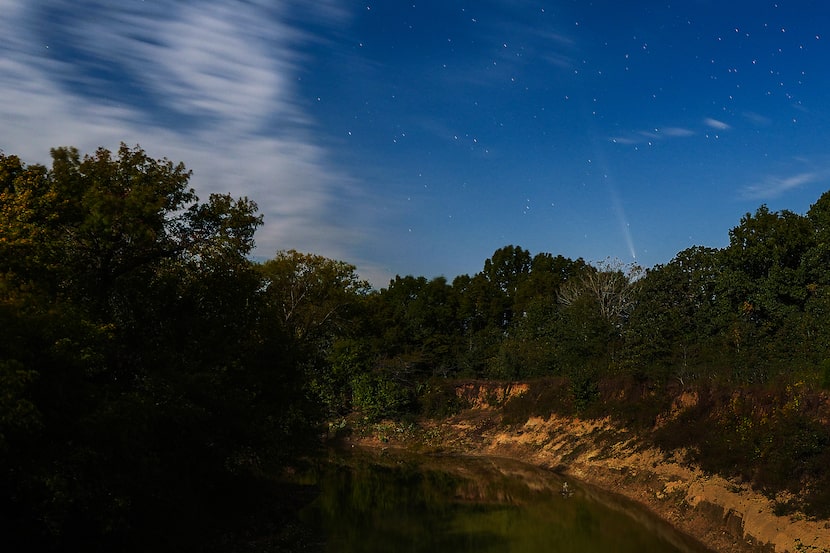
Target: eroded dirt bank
(726, 516)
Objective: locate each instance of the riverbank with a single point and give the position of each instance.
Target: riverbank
(725, 515)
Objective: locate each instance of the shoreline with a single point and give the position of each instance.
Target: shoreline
(723, 515)
(393, 454)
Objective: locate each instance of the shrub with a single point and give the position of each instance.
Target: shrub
(377, 397)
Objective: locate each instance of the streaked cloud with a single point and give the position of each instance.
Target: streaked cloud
(652, 135)
(677, 132)
(716, 124)
(775, 186)
(626, 140)
(756, 118)
(211, 83)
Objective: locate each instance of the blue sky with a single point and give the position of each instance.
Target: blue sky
(418, 137)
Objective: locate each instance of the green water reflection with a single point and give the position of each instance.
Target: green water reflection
(436, 505)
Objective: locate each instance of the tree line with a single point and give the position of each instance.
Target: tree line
(753, 312)
(153, 376)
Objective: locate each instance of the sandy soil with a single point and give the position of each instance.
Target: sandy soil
(726, 516)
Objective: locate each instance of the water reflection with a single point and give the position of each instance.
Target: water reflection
(436, 505)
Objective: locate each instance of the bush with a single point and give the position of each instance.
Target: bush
(771, 436)
(378, 397)
(633, 400)
(584, 388)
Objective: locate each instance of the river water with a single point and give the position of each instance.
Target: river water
(407, 504)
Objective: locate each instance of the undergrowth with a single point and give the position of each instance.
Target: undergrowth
(774, 437)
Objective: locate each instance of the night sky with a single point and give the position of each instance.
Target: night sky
(418, 137)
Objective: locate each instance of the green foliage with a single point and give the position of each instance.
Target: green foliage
(378, 398)
(311, 294)
(18, 415)
(144, 387)
(765, 285)
(634, 401)
(769, 437)
(320, 305)
(669, 333)
(584, 388)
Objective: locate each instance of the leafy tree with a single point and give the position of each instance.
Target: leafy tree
(548, 274)
(817, 258)
(86, 225)
(420, 322)
(320, 303)
(415, 335)
(531, 349)
(505, 272)
(481, 331)
(311, 293)
(143, 386)
(530, 346)
(764, 257)
(766, 284)
(674, 317)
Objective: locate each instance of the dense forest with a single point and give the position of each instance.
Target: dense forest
(153, 377)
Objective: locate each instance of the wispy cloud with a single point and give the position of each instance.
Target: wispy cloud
(677, 132)
(206, 61)
(774, 186)
(756, 118)
(651, 135)
(206, 83)
(512, 46)
(716, 124)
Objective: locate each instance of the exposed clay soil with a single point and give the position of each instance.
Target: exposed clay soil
(724, 515)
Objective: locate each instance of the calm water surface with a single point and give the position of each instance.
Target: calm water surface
(404, 504)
